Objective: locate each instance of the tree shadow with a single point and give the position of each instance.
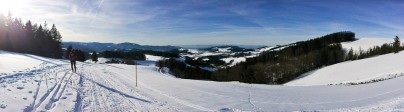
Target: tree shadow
(117, 91)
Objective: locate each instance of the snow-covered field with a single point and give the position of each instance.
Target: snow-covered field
(359, 71)
(375, 68)
(150, 60)
(366, 43)
(42, 84)
(233, 61)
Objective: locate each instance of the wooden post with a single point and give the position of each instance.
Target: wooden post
(136, 73)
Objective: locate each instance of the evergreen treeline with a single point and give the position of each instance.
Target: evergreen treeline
(29, 38)
(231, 48)
(376, 50)
(81, 55)
(94, 57)
(133, 55)
(182, 70)
(281, 66)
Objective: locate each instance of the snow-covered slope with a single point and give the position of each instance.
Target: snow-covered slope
(359, 71)
(150, 60)
(14, 62)
(366, 43)
(112, 87)
(380, 67)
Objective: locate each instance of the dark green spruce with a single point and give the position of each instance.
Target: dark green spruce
(29, 38)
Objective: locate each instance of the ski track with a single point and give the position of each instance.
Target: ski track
(183, 102)
(137, 92)
(95, 91)
(47, 95)
(31, 106)
(128, 102)
(250, 100)
(78, 103)
(36, 103)
(97, 94)
(53, 98)
(99, 89)
(122, 95)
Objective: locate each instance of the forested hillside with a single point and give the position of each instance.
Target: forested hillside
(38, 39)
(275, 66)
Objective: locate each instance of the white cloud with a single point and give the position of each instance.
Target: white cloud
(79, 20)
(185, 22)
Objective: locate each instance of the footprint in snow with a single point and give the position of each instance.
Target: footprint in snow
(64, 97)
(228, 110)
(20, 87)
(3, 106)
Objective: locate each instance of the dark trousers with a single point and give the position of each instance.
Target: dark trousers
(73, 65)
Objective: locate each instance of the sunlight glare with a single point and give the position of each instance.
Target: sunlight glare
(10, 5)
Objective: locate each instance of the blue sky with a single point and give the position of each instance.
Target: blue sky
(199, 22)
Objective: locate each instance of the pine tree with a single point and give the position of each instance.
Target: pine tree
(94, 57)
(27, 38)
(350, 55)
(396, 44)
(55, 40)
(2, 31)
(55, 34)
(29, 32)
(81, 56)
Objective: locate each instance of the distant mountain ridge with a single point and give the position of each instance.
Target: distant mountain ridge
(99, 47)
(209, 46)
(227, 48)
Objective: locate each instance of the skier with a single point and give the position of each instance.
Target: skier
(73, 57)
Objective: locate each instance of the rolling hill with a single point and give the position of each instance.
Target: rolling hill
(44, 84)
(99, 47)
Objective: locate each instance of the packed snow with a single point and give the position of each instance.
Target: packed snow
(51, 86)
(366, 43)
